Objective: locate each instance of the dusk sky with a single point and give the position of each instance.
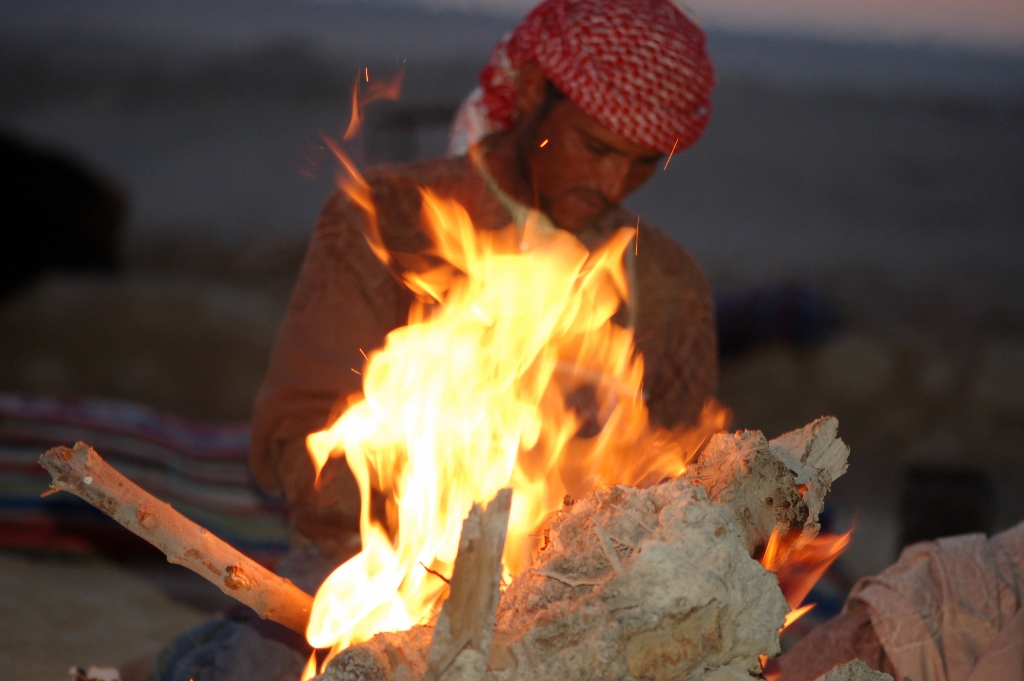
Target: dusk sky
(996, 24)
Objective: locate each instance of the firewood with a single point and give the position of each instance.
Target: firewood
(462, 635)
(458, 646)
(82, 472)
(656, 583)
(774, 487)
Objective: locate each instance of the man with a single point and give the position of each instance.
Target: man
(610, 86)
(577, 108)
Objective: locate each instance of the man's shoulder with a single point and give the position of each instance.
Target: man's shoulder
(661, 257)
(658, 246)
(439, 174)
(395, 191)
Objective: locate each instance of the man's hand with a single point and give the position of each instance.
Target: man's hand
(325, 509)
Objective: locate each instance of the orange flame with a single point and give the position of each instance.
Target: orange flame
(802, 568)
(770, 559)
(389, 89)
(309, 671)
(798, 571)
(805, 566)
(510, 372)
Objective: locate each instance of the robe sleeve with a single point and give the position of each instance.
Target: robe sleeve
(675, 331)
(345, 301)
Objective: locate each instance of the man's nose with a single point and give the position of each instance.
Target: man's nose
(614, 178)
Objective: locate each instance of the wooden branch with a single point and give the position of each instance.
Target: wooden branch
(82, 472)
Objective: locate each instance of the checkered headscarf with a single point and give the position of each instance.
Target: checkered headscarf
(638, 67)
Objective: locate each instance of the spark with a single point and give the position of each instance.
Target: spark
(367, 74)
(544, 144)
(674, 145)
(354, 371)
(636, 239)
(364, 355)
(436, 574)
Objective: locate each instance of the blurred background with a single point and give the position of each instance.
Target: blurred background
(858, 202)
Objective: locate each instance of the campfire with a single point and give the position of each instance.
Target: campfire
(652, 583)
(509, 354)
(596, 545)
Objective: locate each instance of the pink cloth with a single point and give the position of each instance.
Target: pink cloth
(638, 67)
(951, 610)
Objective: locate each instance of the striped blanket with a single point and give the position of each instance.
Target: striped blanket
(201, 469)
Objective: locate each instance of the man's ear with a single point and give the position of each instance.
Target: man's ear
(531, 89)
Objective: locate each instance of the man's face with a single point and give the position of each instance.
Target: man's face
(583, 169)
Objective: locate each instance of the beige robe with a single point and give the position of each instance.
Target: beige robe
(952, 609)
(947, 610)
(346, 300)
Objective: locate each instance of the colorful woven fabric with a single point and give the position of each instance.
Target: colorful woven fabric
(200, 469)
(638, 67)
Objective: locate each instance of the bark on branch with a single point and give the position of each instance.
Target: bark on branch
(82, 472)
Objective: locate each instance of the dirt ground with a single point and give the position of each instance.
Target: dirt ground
(57, 611)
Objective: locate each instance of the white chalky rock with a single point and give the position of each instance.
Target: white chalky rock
(854, 671)
(655, 584)
(634, 584)
(640, 584)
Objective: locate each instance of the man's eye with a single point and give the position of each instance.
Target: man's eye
(599, 149)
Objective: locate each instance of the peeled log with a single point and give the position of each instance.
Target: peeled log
(462, 636)
(460, 644)
(776, 486)
(640, 584)
(657, 583)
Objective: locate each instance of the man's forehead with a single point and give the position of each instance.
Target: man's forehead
(588, 126)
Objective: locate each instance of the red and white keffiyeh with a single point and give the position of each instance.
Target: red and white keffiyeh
(638, 67)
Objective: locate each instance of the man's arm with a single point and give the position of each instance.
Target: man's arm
(344, 302)
(675, 330)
